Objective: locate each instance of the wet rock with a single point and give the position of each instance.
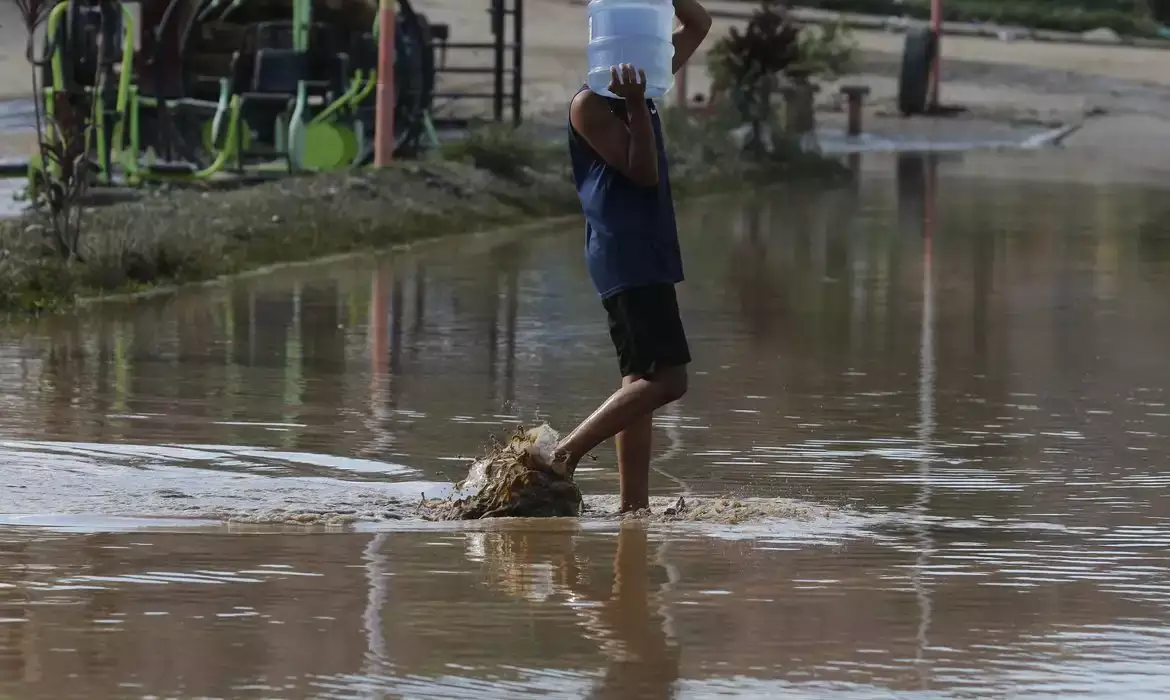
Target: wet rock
(513, 479)
(170, 493)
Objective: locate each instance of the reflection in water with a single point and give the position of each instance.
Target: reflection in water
(553, 610)
(925, 416)
(645, 663)
(511, 311)
(977, 366)
(624, 614)
(377, 578)
(669, 419)
(397, 304)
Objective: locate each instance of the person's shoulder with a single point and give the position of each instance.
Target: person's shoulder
(586, 97)
(587, 108)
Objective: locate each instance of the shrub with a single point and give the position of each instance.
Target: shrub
(502, 149)
(827, 49)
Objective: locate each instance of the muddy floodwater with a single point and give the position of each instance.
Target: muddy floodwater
(928, 424)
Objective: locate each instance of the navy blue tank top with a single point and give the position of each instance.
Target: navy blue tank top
(631, 239)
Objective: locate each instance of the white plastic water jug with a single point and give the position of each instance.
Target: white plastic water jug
(637, 32)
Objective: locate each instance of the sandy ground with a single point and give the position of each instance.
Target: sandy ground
(14, 69)
(1123, 93)
(1126, 90)
(555, 36)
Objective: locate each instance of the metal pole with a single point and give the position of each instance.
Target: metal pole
(936, 27)
(517, 62)
(384, 114)
(498, 32)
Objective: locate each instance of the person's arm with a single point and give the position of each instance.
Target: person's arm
(695, 23)
(633, 150)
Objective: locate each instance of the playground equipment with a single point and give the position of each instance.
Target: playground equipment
(196, 88)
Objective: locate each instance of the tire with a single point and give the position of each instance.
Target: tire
(917, 61)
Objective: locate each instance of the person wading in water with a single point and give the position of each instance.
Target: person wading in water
(631, 247)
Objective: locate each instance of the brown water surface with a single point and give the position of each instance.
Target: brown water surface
(942, 396)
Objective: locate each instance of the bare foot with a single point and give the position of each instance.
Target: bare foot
(562, 465)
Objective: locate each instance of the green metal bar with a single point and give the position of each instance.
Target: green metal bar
(429, 128)
(106, 148)
(344, 101)
(51, 26)
(359, 133)
(98, 114)
(57, 71)
(231, 8)
(130, 157)
(371, 83)
(126, 73)
(208, 9)
(221, 158)
(50, 120)
(225, 96)
(102, 142)
(359, 128)
(296, 125)
(302, 19)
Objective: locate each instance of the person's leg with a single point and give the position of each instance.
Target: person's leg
(638, 398)
(633, 457)
(653, 354)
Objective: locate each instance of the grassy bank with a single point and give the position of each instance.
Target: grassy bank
(495, 178)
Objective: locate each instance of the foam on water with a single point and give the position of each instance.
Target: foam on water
(95, 523)
(103, 487)
(724, 517)
(217, 483)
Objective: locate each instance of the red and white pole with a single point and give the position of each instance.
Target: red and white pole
(384, 109)
(936, 25)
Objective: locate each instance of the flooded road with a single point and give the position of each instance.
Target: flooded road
(942, 394)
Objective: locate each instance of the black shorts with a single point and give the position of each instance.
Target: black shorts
(647, 330)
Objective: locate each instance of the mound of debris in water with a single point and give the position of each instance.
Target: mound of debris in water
(512, 480)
